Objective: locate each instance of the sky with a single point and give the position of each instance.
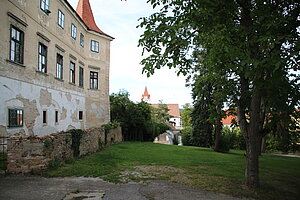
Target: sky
(119, 19)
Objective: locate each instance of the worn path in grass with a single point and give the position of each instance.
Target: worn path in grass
(30, 188)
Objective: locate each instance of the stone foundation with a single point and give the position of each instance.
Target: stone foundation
(34, 154)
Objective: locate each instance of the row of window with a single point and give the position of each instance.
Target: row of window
(16, 55)
(15, 117)
(44, 5)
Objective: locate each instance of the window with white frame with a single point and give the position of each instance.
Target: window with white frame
(81, 40)
(80, 77)
(93, 80)
(44, 5)
(15, 117)
(72, 72)
(61, 19)
(59, 66)
(42, 63)
(16, 45)
(73, 31)
(95, 46)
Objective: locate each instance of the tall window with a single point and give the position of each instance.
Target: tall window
(15, 117)
(44, 117)
(94, 80)
(44, 5)
(61, 19)
(56, 116)
(80, 117)
(16, 45)
(95, 46)
(59, 66)
(72, 72)
(73, 31)
(80, 76)
(81, 40)
(42, 58)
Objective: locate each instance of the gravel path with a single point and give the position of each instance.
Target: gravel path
(33, 187)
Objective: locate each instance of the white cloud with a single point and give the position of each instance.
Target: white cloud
(119, 19)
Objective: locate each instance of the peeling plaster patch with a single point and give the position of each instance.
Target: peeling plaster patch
(63, 115)
(3, 131)
(77, 101)
(30, 113)
(74, 116)
(97, 110)
(69, 97)
(70, 127)
(45, 97)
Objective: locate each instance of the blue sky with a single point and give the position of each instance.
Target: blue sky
(119, 19)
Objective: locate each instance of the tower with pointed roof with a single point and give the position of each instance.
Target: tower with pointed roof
(146, 96)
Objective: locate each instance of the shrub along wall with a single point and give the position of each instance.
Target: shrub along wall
(34, 154)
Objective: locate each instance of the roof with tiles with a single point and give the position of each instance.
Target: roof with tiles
(230, 118)
(173, 109)
(84, 10)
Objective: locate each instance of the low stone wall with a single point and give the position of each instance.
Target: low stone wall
(34, 154)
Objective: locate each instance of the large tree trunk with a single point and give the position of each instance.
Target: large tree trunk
(251, 131)
(218, 136)
(253, 141)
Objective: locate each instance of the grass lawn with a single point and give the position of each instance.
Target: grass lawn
(201, 168)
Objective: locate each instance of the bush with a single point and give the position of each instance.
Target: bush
(186, 135)
(234, 138)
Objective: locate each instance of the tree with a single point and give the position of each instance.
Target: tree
(255, 43)
(138, 120)
(186, 115)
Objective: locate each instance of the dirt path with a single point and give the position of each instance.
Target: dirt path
(32, 187)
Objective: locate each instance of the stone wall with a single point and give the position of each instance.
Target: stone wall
(34, 154)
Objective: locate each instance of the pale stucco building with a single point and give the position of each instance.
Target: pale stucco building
(54, 67)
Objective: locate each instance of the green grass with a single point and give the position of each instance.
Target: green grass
(197, 167)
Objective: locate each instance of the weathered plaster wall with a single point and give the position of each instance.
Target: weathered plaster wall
(22, 86)
(34, 100)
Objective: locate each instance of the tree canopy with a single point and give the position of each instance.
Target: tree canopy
(249, 47)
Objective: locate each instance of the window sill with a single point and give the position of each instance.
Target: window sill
(95, 89)
(61, 80)
(15, 63)
(72, 83)
(43, 73)
(81, 87)
(15, 127)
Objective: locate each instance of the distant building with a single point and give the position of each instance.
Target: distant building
(146, 96)
(54, 67)
(174, 111)
(230, 119)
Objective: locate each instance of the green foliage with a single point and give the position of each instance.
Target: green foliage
(76, 137)
(252, 46)
(186, 134)
(202, 128)
(110, 126)
(235, 138)
(205, 169)
(186, 115)
(139, 121)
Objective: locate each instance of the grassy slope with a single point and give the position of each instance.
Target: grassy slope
(199, 167)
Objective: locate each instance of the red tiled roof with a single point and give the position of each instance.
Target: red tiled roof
(173, 109)
(84, 10)
(228, 119)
